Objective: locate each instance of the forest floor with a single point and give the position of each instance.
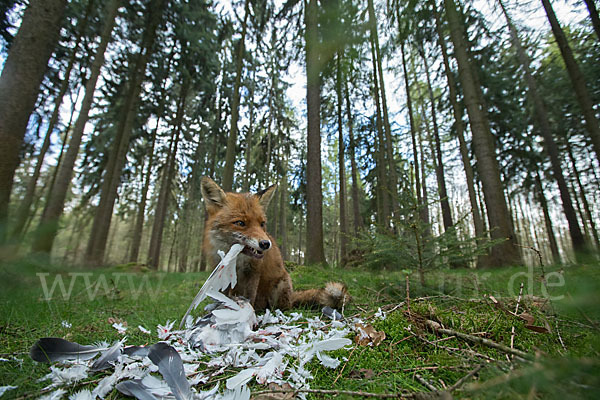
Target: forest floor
(431, 346)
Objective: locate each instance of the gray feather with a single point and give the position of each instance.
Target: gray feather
(135, 388)
(332, 313)
(57, 349)
(136, 351)
(171, 368)
(108, 357)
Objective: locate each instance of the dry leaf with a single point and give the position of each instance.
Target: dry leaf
(528, 318)
(538, 329)
(368, 336)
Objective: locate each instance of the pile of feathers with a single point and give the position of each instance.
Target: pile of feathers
(272, 348)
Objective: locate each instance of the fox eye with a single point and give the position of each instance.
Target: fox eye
(239, 223)
(263, 224)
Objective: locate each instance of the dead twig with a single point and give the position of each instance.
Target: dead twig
(344, 366)
(512, 332)
(462, 380)
(425, 383)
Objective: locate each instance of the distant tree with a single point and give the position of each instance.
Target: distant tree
(20, 81)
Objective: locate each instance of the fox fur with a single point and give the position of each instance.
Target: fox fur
(262, 278)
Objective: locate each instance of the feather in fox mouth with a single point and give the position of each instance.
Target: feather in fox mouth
(252, 252)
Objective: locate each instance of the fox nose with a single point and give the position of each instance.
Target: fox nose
(264, 244)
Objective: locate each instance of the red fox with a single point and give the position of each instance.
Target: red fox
(262, 278)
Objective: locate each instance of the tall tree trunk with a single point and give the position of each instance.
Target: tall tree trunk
(246, 185)
(315, 252)
(577, 79)
(459, 127)
(505, 253)
(341, 163)
(357, 219)
(97, 242)
(136, 240)
(283, 204)
(594, 16)
(169, 169)
(425, 215)
(20, 82)
(49, 223)
(586, 204)
(25, 203)
(393, 175)
(382, 176)
(411, 120)
(547, 219)
(439, 170)
(235, 106)
(549, 143)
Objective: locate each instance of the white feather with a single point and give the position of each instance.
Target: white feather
(82, 395)
(56, 395)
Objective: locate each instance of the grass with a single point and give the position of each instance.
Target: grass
(459, 299)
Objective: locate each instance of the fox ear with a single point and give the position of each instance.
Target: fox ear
(213, 195)
(265, 196)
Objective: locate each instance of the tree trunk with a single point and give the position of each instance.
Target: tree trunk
(25, 203)
(594, 16)
(315, 254)
(424, 212)
(20, 82)
(169, 169)
(393, 175)
(283, 203)
(411, 121)
(547, 218)
(116, 160)
(246, 185)
(577, 79)
(357, 219)
(383, 190)
(49, 223)
(341, 164)
(549, 143)
(439, 170)
(586, 204)
(505, 253)
(136, 240)
(459, 127)
(235, 107)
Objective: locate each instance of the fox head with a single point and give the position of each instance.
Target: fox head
(237, 218)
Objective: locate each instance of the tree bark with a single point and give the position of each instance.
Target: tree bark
(506, 252)
(25, 203)
(550, 146)
(49, 223)
(235, 107)
(315, 253)
(577, 79)
(283, 204)
(97, 242)
(20, 82)
(169, 169)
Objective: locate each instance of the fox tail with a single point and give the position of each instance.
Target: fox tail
(334, 295)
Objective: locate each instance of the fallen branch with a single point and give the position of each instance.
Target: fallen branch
(436, 327)
(512, 332)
